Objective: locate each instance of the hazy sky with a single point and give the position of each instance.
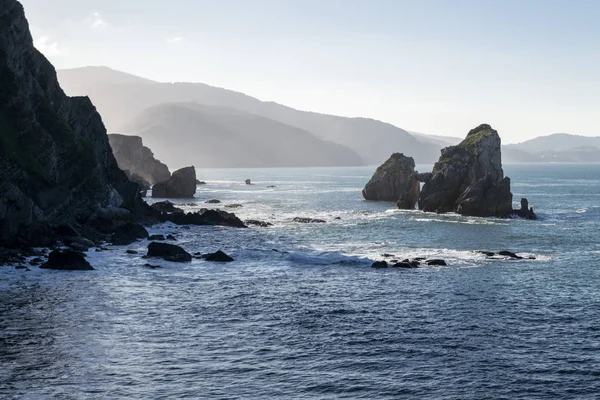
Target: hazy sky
(528, 67)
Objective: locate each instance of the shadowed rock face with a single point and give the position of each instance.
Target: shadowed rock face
(181, 185)
(468, 178)
(55, 161)
(137, 159)
(394, 180)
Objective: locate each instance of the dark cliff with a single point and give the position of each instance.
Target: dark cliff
(56, 165)
(133, 156)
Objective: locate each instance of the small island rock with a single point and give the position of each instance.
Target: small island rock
(182, 184)
(394, 180)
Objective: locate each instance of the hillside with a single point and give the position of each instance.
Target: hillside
(121, 97)
(205, 136)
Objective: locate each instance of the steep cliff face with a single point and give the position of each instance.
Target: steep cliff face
(394, 180)
(137, 159)
(468, 178)
(56, 165)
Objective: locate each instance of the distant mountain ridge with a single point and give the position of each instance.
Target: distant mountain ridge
(558, 147)
(121, 97)
(220, 137)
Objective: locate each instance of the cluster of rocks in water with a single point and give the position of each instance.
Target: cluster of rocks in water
(468, 179)
(408, 263)
(174, 253)
(420, 261)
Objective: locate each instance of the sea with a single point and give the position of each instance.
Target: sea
(300, 313)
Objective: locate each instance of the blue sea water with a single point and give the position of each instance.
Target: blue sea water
(301, 314)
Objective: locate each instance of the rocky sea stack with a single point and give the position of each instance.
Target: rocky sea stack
(56, 163)
(394, 181)
(468, 179)
(138, 160)
(181, 185)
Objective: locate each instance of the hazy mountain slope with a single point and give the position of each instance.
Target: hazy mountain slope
(557, 142)
(442, 141)
(120, 98)
(206, 136)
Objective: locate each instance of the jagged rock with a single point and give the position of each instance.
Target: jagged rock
(379, 264)
(219, 256)
(166, 206)
(468, 178)
(66, 260)
(168, 252)
(255, 222)
(182, 184)
(55, 160)
(128, 234)
(204, 217)
(525, 211)
(394, 180)
(138, 160)
(423, 177)
(309, 220)
(406, 264)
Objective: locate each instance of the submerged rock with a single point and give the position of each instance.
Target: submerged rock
(506, 253)
(436, 262)
(309, 220)
(395, 181)
(182, 184)
(406, 264)
(168, 252)
(213, 201)
(67, 260)
(219, 256)
(379, 264)
(233, 206)
(200, 182)
(159, 238)
(128, 234)
(468, 178)
(255, 222)
(248, 182)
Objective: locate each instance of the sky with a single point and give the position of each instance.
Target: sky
(527, 67)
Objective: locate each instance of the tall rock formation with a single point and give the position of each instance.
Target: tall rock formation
(394, 180)
(56, 165)
(137, 159)
(468, 178)
(181, 185)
